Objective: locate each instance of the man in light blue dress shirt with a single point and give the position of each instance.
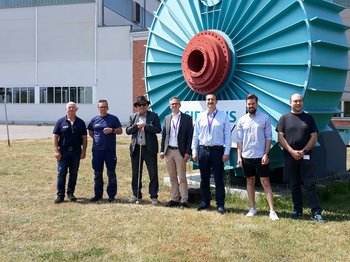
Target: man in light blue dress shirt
(254, 137)
(211, 147)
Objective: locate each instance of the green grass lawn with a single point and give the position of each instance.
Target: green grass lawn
(33, 228)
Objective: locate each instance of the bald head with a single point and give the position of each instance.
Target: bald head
(296, 102)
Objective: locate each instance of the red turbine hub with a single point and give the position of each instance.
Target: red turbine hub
(206, 62)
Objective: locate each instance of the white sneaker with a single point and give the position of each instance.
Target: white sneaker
(133, 199)
(252, 212)
(154, 201)
(273, 216)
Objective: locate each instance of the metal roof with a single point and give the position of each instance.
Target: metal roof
(31, 3)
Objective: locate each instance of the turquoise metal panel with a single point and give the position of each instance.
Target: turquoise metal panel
(280, 47)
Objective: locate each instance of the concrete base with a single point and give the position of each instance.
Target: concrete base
(194, 180)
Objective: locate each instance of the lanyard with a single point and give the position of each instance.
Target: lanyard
(210, 121)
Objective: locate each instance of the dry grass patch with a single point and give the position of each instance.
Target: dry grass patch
(32, 228)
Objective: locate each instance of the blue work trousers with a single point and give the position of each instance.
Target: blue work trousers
(99, 158)
(210, 162)
(70, 160)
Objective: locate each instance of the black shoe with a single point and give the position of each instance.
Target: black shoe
(172, 203)
(203, 206)
(59, 199)
(72, 197)
(221, 210)
(111, 200)
(296, 214)
(183, 205)
(95, 199)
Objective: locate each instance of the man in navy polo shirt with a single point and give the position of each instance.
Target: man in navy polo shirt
(69, 135)
(103, 129)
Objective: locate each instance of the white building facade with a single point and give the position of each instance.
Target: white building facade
(67, 50)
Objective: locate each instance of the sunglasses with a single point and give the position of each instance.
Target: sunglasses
(139, 105)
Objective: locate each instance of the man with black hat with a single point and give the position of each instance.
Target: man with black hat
(144, 126)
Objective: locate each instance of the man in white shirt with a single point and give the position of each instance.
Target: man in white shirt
(254, 137)
(211, 147)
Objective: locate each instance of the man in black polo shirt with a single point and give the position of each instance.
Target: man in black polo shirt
(297, 134)
(69, 135)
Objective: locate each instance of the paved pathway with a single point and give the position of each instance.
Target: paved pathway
(31, 132)
(25, 132)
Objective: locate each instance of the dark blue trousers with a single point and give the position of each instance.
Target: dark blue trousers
(210, 162)
(99, 158)
(70, 160)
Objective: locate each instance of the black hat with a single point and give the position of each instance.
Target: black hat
(141, 100)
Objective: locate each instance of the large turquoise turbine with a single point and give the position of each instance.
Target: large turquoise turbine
(272, 48)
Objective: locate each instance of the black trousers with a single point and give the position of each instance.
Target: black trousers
(301, 173)
(152, 168)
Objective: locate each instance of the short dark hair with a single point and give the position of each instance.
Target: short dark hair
(174, 97)
(103, 101)
(251, 96)
(211, 94)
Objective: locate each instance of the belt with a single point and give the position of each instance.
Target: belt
(173, 147)
(70, 148)
(210, 148)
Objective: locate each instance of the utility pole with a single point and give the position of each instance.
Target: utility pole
(7, 125)
(144, 14)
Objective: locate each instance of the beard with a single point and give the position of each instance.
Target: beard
(251, 110)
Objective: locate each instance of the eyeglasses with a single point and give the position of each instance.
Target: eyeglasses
(102, 107)
(139, 105)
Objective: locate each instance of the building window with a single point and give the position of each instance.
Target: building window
(65, 95)
(73, 94)
(2, 94)
(43, 95)
(22, 95)
(57, 95)
(31, 95)
(346, 108)
(9, 95)
(15, 95)
(50, 95)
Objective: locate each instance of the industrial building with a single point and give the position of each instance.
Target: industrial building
(55, 51)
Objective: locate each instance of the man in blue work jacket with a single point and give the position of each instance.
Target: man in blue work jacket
(70, 142)
(103, 129)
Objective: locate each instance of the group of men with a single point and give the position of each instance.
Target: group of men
(208, 141)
